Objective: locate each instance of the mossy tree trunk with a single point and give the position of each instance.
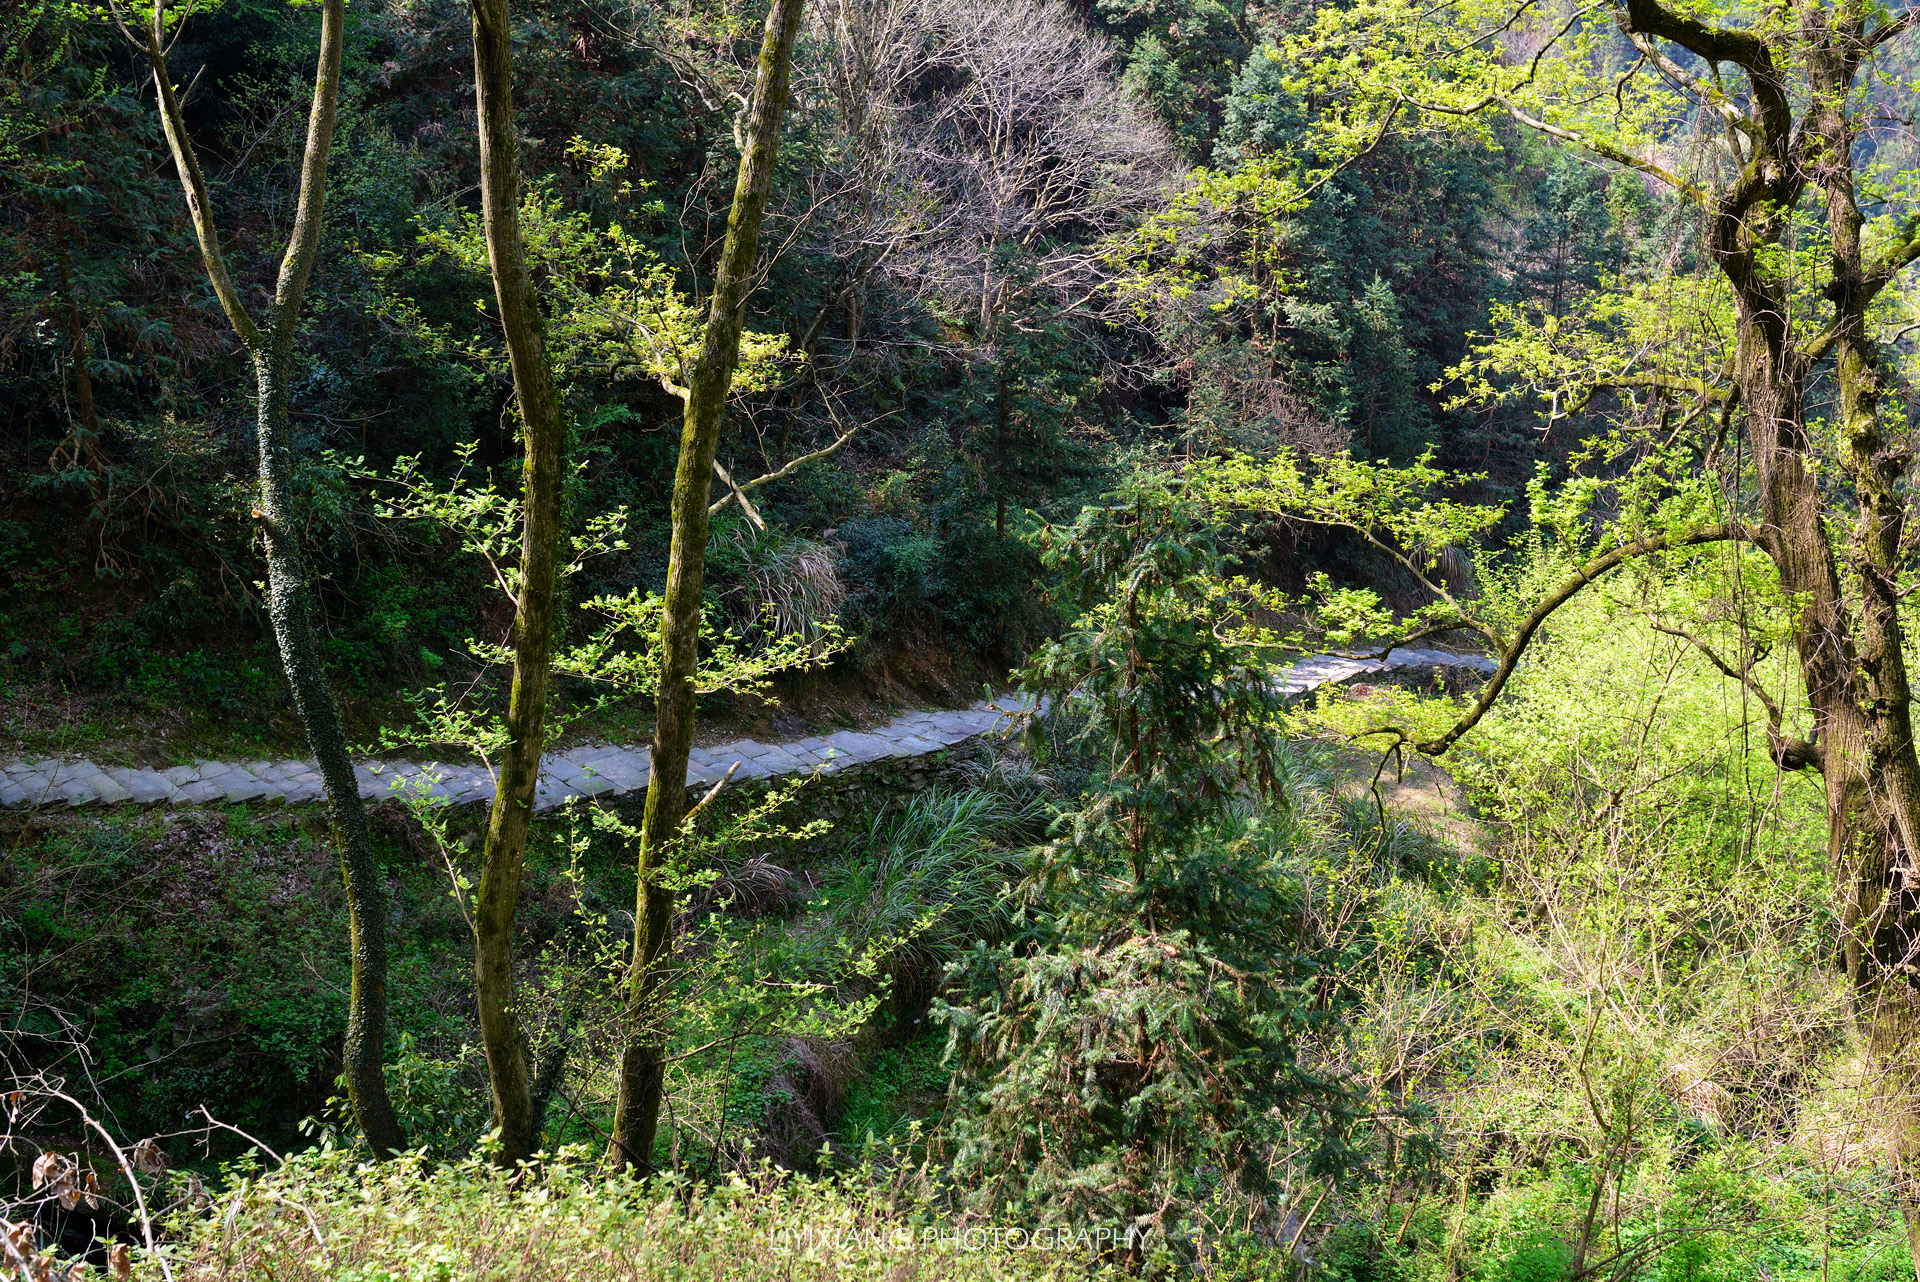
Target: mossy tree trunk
(504, 857)
(643, 1055)
(1848, 634)
(269, 344)
(1790, 141)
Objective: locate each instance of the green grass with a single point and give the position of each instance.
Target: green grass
(930, 878)
(903, 1084)
(325, 1217)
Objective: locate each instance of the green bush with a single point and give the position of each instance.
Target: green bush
(1142, 1049)
(199, 958)
(987, 591)
(893, 567)
(1540, 1259)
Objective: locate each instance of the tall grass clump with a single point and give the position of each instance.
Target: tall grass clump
(932, 876)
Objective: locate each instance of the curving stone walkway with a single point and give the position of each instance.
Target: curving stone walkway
(1324, 669)
(591, 770)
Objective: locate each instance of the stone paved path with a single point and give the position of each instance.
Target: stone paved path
(1320, 669)
(591, 770)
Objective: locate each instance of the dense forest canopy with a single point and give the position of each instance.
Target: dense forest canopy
(552, 399)
(941, 273)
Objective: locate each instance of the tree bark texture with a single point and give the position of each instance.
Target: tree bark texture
(82, 448)
(1849, 643)
(504, 857)
(1848, 634)
(642, 1060)
(289, 598)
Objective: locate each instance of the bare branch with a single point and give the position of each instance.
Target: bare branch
(1895, 29)
(704, 802)
(192, 180)
(126, 1168)
(735, 494)
(1787, 753)
(1608, 151)
(803, 460)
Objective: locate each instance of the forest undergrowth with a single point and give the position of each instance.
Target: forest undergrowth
(1595, 1031)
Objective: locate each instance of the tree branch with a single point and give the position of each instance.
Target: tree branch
(1386, 124)
(1580, 578)
(304, 241)
(1607, 151)
(1717, 44)
(1821, 344)
(1787, 753)
(1894, 29)
(739, 491)
(1706, 93)
(1458, 623)
(802, 461)
(1745, 677)
(735, 492)
(193, 181)
(1893, 264)
(1699, 387)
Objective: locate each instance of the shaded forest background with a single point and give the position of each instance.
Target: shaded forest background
(944, 295)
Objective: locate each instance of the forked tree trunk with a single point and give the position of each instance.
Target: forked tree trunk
(504, 858)
(289, 602)
(643, 1055)
(1854, 670)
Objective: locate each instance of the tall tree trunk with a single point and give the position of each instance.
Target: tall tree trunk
(289, 608)
(642, 1060)
(82, 449)
(504, 858)
(289, 601)
(1853, 666)
(1873, 783)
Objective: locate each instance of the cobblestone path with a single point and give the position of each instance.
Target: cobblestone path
(591, 770)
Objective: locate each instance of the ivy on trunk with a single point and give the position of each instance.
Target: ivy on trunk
(269, 344)
(643, 1057)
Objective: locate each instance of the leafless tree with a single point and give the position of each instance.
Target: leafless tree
(999, 149)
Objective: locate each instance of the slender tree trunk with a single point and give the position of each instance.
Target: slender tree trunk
(289, 602)
(289, 608)
(1001, 412)
(83, 447)
(642, 1061)
(504, 858)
